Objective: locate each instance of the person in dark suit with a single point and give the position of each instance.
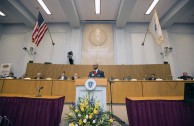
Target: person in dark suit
(62, 77)
(96, 72)
(11, 75)
(152, 77)
(185, 76)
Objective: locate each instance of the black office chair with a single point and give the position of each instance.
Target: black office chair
(4, 121)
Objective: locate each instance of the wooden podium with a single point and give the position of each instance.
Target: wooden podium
(99, 92)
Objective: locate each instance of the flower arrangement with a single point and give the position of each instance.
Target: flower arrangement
(87, 112)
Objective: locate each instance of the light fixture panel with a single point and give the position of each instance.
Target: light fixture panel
(2, 14)
(151, 7)
(44, 6)
(97, 6)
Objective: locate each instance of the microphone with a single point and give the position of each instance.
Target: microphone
(38, 91)
(92, 73)
(111, 79)
(40, 88)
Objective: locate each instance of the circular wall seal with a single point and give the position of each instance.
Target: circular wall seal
(97, 37)
(90, 84)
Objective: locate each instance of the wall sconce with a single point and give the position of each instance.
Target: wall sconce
(167, 50)
(30, 51)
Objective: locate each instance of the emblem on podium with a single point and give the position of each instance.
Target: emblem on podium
(90, 84)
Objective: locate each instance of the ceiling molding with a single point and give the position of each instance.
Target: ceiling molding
(70, 11)
(178, 10)
(125, 10)
(30, 19)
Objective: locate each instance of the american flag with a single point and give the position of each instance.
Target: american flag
(39, 30)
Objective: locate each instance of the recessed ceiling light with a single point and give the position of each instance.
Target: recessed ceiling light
(152, 6)
(2, 14)
(97, 6)
(44, 6)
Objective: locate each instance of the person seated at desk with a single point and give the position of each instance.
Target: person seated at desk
(11, 75)
(62, 77)
(96, 72)
(39, 76)
(185, 76)
(153, 77)
(75, 76)
(127, 78)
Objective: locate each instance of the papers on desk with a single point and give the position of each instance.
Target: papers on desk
(9, 78)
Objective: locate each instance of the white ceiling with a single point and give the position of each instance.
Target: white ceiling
(76, 11)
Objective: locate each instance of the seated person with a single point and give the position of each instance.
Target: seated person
(39, 76)
(185, 76)
(11, 75)
(62, 77)
(3, 76)
(96, 72)
(127, 78)
(153, 77)
(75, 76)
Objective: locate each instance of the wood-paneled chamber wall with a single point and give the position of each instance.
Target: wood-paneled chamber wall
(117, 71)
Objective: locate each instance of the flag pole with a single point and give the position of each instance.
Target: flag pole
(51, 37)
(145, 37)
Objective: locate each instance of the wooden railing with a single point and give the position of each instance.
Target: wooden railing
(120, 89)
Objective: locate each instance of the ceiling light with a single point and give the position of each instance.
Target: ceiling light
(2, 14)
(152, 6)
(97, 6)
(44, 6)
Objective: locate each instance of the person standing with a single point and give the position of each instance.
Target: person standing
(96, 72)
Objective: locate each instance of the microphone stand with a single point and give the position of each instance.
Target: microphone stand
(38, 92)
(112, 115)
(110, 82)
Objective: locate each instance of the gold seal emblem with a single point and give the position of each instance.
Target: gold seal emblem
(97, 37)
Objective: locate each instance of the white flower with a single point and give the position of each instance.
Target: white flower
(79, 115)
(86, 116)
(85, 120)
(94, 121)
(76, 125)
